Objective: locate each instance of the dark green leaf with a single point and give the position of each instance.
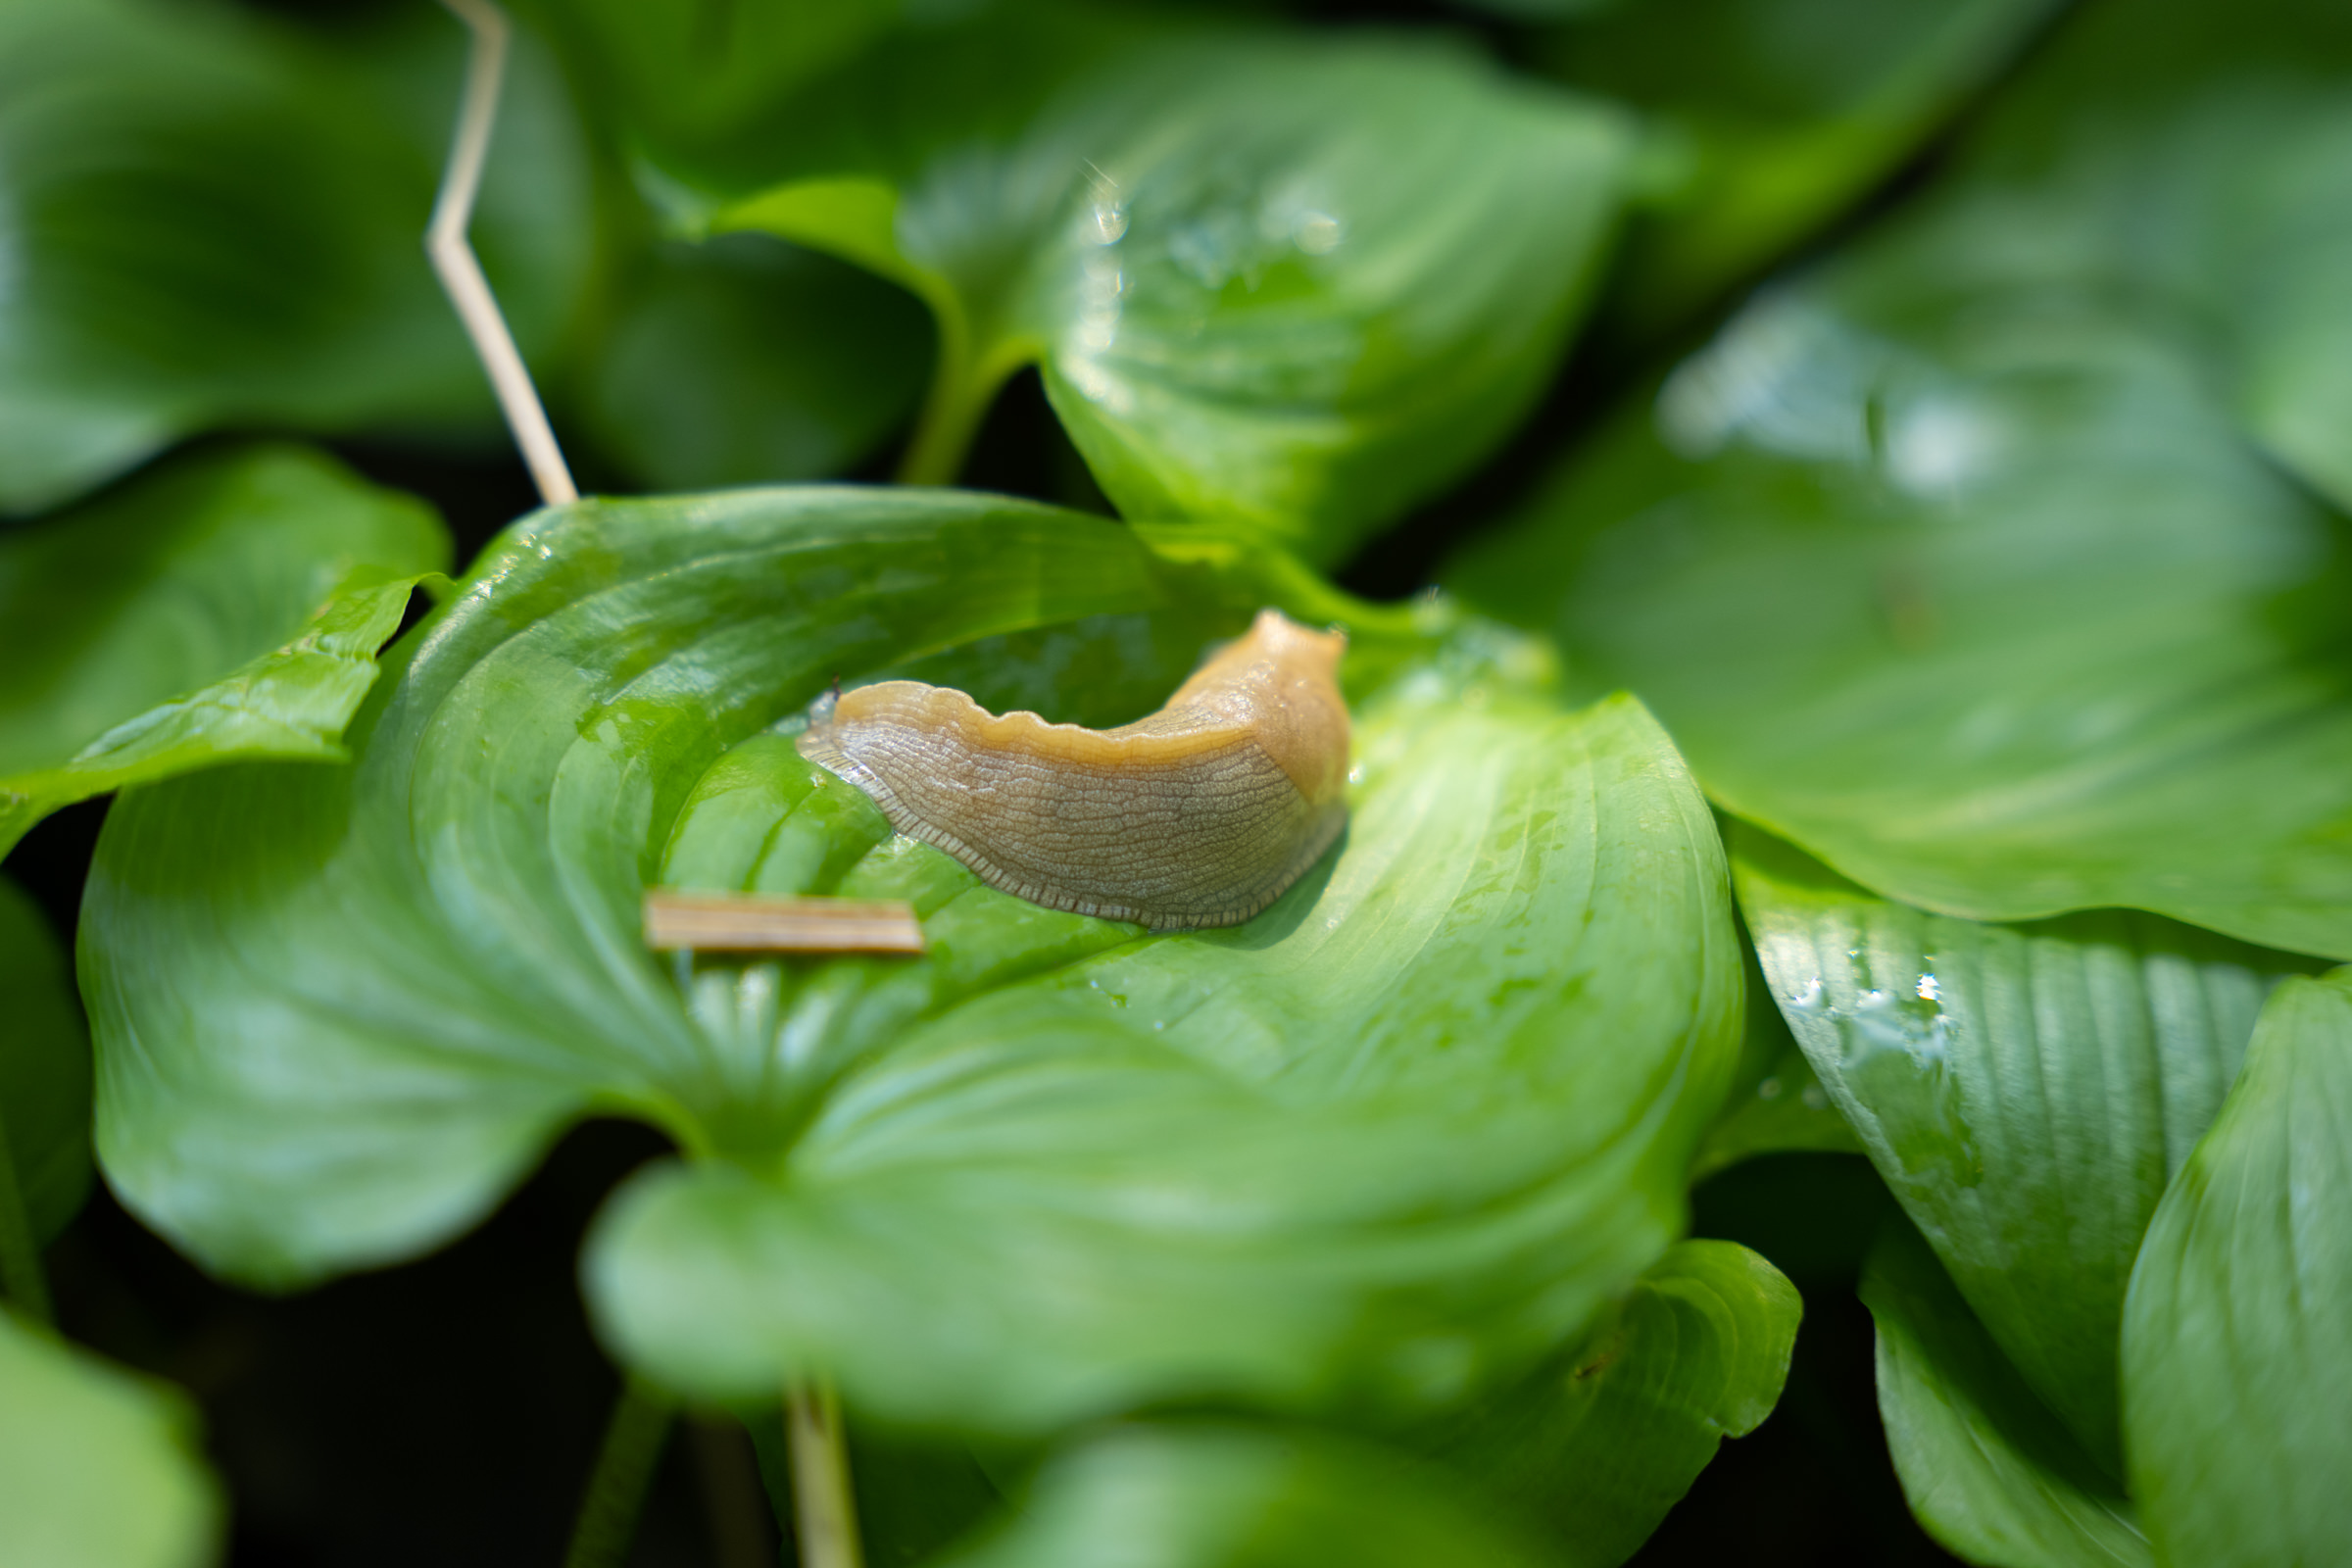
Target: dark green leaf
(1771, 116)
(1295, 285)
(2025, 1090)
(1601, 1443)
(746, 360)
(1050, 1168)
(692, 75)
(44, 1072)
(227, 606)
(1989, 1471)
(98, 1468)
(1204, 1496)
(1951, 564)
(214, 219)
(2237, 1339)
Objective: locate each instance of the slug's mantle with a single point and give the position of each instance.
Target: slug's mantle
(1199, 814)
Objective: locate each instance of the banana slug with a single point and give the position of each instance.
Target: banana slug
(1199, 814)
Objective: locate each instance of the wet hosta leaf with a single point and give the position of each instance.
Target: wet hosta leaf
(1952, 564)
(226, 605)
(746, 359)
(44, 1077)
(1777, 1103)
(1989, 1469)
(1213, 1496)
(2238, 1337)
(1602, 1442)
(2199, 162)
(214, 219)
(98, 1468)
(2027, 1091)
(1412, 1124)
(1771, 116)
(1294, 284)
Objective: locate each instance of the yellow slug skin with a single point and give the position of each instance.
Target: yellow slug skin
(1200, 815)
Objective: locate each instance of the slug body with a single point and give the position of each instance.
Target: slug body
(1200, 815)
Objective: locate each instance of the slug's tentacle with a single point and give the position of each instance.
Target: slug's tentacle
(1200, 815)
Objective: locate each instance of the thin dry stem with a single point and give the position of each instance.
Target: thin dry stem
(728, 922)
(461, 276)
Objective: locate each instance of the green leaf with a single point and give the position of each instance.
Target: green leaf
(1776, 1105)
(1604, 1440)
(1217, 1496)
(1988, 1470)
(745, 360)
(1951, 564)
(98, 1468)
(44, 1074)
(215, 219)
(1293, 284)
(687, 74)
(226, 605)
(2200, 161)
(2026, 1091)
(2238, 1337)
(1769, 118)
(1408, 1128)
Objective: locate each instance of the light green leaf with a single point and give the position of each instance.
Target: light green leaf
(746, 361)
(1216, 1496)
(1770, 118)
(1988, 1470)
(1604, 1440)
(227, 606)
(1406, 1130)
(1294, 284)
(44, 1075)
(98, 1468)
(2027, 1091)
(1951, 563)
(215, 219)
(2238, 1337)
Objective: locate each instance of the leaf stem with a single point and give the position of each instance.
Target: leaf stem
(624, 1467)
(824, 1513)
(951, 409)
(20, 1275)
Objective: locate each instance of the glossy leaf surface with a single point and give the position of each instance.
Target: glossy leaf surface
(226, 605)
(1601, 1443)
(44, 1072)
(1048, 1169)
(2237, 1339)
(2025, 1090)
(1988, 1470)
(98, 1468)
(1290, 285)
(216, 220)
(1984, 600)
(1210, 1496)
(1771, 116)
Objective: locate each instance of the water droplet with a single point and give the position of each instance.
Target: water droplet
(1769, 1089)
(1317, 233)
(1929, 988)
(1815, 1098)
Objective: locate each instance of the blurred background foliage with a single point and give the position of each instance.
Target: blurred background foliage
(1934, 410)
